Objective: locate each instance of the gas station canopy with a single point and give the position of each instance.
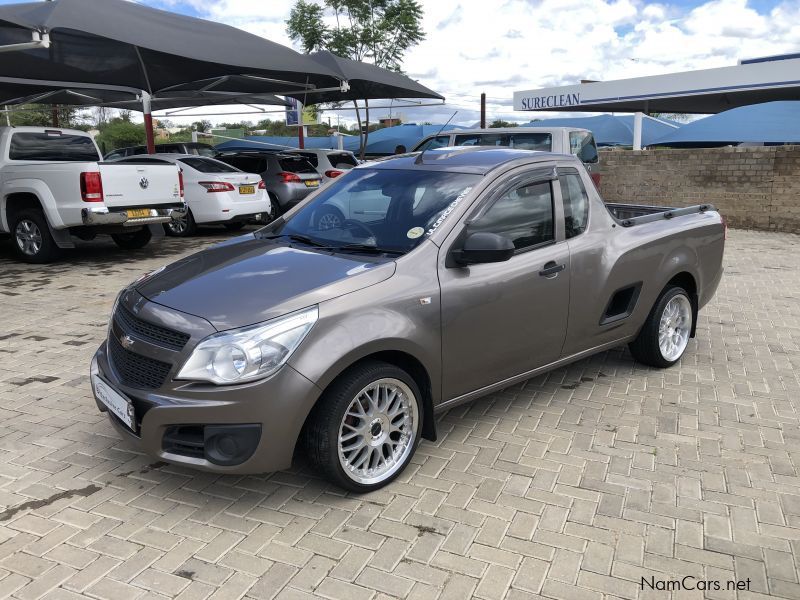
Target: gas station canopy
(707, 91)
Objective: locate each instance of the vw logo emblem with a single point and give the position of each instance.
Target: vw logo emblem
(126, 341)
(143, 183)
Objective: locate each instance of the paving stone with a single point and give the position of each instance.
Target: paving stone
(574, 484)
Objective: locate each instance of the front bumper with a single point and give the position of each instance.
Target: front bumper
(269, 414)
(100, 215)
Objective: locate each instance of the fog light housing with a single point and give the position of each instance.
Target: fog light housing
(229, 445)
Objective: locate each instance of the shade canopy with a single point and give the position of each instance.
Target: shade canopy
(767, 123)
(613, 130)
(119, 43)
(112, 99)
(381, 142)
(366, 82)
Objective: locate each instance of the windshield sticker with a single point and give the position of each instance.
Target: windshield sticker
(415, 232)
(448, 210)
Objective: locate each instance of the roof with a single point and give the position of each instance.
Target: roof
(705, 91)
(463, 159)
(769, 123)
(543, 126)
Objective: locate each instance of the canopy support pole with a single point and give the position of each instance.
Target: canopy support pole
(148, 123)
(637, 131)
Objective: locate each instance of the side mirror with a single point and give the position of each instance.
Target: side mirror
(484, 247)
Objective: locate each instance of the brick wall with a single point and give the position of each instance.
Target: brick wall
(755, 188)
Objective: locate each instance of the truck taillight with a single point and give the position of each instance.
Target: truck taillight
(289, 177)
(596, 179)
(91, 186)
(180, 182)
(217, 186)
(333, 173)
(262, 185)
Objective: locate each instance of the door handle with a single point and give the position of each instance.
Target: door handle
(551, 269)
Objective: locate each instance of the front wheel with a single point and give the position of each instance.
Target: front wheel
(133, 240)
(366, 427)
(665, 335)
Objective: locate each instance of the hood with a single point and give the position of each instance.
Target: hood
(253, 280)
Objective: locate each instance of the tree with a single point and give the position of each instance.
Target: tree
(41, 115)
(203, 126)
(501, 123)
(119, 133)
(375, 31)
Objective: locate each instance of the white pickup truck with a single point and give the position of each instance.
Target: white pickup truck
(55, 185)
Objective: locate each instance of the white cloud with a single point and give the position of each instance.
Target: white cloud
(496, 47)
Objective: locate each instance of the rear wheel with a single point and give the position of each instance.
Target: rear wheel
(32, 240)
(366, 427)
(181, 227)
(665, 335)
(133, 240)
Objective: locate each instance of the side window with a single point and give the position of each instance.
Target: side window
(523, 214)
(576, 203)
(582, 145)
(440, 141)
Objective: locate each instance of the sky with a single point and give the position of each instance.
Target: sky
(499, 46)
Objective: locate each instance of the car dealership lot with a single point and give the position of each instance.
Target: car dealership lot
(595, 475)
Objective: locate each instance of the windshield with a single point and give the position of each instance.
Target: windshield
(386, 210)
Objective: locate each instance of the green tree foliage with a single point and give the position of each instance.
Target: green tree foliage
(41, 115)
(375, 31)
(502, 123)
(119, 133)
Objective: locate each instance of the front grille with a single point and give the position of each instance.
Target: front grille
(136, 370)
(161, 336)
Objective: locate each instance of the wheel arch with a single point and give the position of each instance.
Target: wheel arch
(687, 281)
(403, 360)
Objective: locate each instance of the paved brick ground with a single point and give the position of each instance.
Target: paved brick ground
(573, 485)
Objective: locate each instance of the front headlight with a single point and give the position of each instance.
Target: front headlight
(249, 353)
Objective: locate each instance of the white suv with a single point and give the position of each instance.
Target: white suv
(328, 163)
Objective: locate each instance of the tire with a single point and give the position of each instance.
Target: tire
(330, 218)
(238, 226)
(397, 421)
(181, 227)
(277, 210)
(133, 240)
(31, 237)
(665, 335)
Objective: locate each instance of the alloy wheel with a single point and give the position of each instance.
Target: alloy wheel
(674, 327)
(28, 237)
(378, 431)
(329, 221)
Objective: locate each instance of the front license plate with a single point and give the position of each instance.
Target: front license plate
(312, 182)
(138, 213)
(247, 189)
(114, 401)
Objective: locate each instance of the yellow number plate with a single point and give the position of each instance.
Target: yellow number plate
(247, 189)
(138, 213)
(312, 182)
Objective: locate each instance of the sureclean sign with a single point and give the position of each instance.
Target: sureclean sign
(558, 100)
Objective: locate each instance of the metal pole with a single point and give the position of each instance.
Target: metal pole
(148, 123)
(300, 134)
(483, 110)
(637, 131)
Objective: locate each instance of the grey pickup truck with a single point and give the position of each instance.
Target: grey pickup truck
(453, 273)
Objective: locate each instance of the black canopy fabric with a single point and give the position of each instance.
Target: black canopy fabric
(367, 82)
(115, 42)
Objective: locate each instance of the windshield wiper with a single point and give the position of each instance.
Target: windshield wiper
(303, 239)
(368, 248)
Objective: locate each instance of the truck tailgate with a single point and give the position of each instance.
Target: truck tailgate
(139, 184)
